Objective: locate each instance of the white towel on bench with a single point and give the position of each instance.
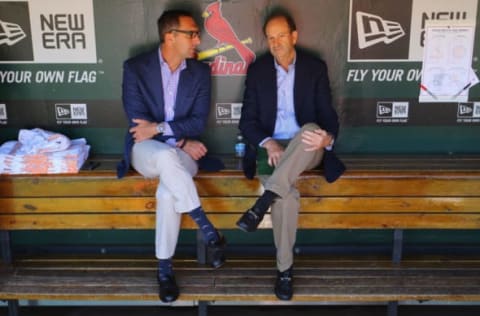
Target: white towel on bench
(42, 152)
(38, 141)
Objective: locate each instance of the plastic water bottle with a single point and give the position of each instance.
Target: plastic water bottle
(239, 151)
(239, 146)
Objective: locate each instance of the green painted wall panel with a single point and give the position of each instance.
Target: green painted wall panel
(124, 28)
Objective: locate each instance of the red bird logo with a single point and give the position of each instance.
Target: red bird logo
(219, 28)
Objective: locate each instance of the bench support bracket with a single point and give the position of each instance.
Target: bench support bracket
(202, 308)
(392, 308)
(13, 309)
(201, 248)
(7, 258)
(5, 246)
(397, 246)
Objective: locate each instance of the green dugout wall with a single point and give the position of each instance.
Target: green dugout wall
(61, 68)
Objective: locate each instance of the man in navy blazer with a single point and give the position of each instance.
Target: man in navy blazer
(166, 97)
(290, 125)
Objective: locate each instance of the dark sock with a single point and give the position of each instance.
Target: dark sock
(264, 201)
(165, 267)
(209, 232)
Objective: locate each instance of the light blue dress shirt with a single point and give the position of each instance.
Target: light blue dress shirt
(286, 125)
(170, 87)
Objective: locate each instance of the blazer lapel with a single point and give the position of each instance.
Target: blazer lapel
(269, 100)
(184, 85)
(301, 74)
(154, 82)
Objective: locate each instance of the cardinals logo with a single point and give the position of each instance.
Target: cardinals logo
(220, 29)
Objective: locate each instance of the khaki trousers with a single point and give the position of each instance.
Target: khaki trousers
(176, 192)
(284, 210)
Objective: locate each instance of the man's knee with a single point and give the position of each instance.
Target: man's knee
(310, 127)
(165, 155)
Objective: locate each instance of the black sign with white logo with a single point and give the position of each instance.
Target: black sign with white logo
(465, 110)
(3, 113)
(384, 109)
(62, 111)
(468, 112)
(15, 36)
(224, 111)
(380, 31)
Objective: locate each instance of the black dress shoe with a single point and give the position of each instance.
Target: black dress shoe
(168, 288)
(250, 220)
(284, 285)
(216, 251)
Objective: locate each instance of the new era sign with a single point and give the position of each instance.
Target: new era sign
(47, 31)
(391, 30)
(372, 29)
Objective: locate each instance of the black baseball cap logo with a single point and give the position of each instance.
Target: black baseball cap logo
(10, 33)
(15, 31)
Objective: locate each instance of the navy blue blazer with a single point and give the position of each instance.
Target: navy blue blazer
(142, 95)
(313, 104)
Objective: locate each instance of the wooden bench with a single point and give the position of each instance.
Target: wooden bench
(389, 193)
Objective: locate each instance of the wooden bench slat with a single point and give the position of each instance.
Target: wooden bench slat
(326, 262)
(353, 183)
(241, 277)
(226, 221)
(376, 187)
(312, 284)
(264, 294)
(238, 205)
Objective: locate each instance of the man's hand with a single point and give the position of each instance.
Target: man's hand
(274, 150)
(194, 149)
(318, 139)
(143, 130)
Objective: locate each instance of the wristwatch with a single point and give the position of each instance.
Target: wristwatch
(161, 128)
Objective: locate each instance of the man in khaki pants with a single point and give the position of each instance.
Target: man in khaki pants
(290, 125)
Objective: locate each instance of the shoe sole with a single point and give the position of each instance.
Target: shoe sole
(169, 301)
(284, 299)
(218, 266)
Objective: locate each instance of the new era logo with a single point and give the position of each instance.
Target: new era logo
(224, 111)
(380, 31)
(372, 29)
(15, 32)
(62, 111)
(10, 33)
(384, 109)
(468, 110)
